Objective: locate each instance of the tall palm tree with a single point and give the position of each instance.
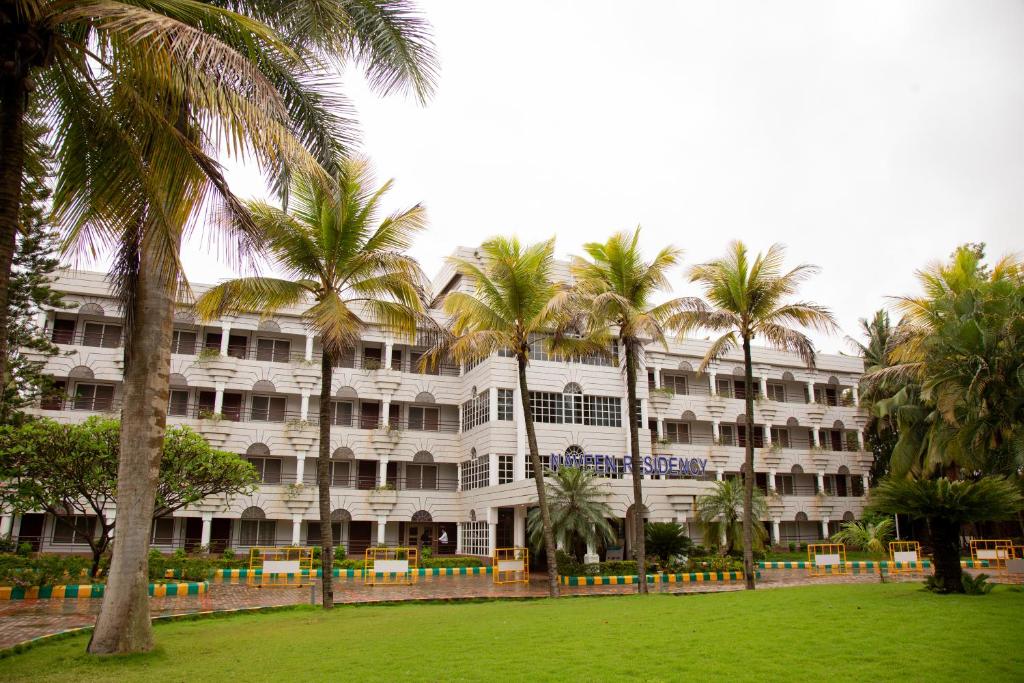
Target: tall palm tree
(721, 514)
(577, 510)
(880, 431)
(511, 299)
(747, 300)
(341, 255)
(137, 185)
(617, 289)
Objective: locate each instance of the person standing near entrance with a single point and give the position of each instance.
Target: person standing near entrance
(443, 538)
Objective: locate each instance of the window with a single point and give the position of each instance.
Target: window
(163, 531)
(546, 407)
(257, 532)
(267, 469)
(676, 383)
(476, 411)
(572, 408)
(313, 533)
(54, 399)
(505, 407)
(777, 392)
(505, 473)
(780, 436)
(602, 411)
(857, 486)
(424, 419)
(651, 384)
(421, 477)
(273, 350)
(826, 396)
(741, 434)
(341, 473)
(101, 334)
(727, 435)
(539, 349)
(677, 432)
(268, 408)
(476, 473)
(475, 538)
(545, 463)
(74, 529)
(341, 413)
(724, 387)
(372, 358)
(63, 331)
(93, 397)
(183, 342)
(177, 405)
(784, 484)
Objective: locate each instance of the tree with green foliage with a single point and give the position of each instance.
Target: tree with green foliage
(721, 515)
(866, 535)
(71, 469)
(666, 540)
(349, 261)
(578, 512)
(747, 300)
(879, 432)
(616, 291)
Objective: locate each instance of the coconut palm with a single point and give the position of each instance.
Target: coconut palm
(864, 535)
(721, 514)
(946, 505)
(578, 512)
(510, 299)
(616, 290)
(345, 259)
(747, 300)
(880, 431)
(137, 167)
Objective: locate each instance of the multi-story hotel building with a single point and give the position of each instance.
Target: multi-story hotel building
(424, 458)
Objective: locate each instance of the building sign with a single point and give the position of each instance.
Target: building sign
(608, 465)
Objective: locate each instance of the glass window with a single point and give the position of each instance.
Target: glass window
(777, 392)
(546, 407)
(424, 419)
(602, 411)
(677, 432)
(475, 538)
(183, 342)
(727, 435)
(505, 473)
(476, 411)
(341, 473)
(75, 529)
(163, 531)
(341, 413)
(102, 334)
(178, 403)
(422, 477)
(273, 350)
(676, 383)
(93, 397)
(476, 473)
(780, 436)
(267, 469)
(505, 407)
(268, 408)
(63, 331)
(257, 532)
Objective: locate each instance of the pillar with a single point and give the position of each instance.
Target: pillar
(382, 472)
(719, 475)
(591, 557)
(661, 429)
(492, 469)
(458, 476)
(815, 440)
(309, 348)
(767, 436)
(856, 396)
(204, 539)
(458, 427)
(657, 378)
(776, 534)
(492, 399)
(824, 528)
(385, 412)
(821, 482)
(715, 434)
(218, 398)
(304, 406)
(810, 391)
(224, 334)
(300, 467)
(644, 413)
(297, 529)
(458, 538)
(763, 381)
(6, 524)
(382, 528)
(860, 439)
(519, 528)
(492, 536)
(519, 466)
(771, 480)
(866, 479)
(713, 386)
(387, 355)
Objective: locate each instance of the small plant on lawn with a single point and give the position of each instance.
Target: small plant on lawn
(865, 535)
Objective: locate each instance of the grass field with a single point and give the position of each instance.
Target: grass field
(827, 632)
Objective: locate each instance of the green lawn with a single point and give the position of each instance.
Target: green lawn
(827, 632)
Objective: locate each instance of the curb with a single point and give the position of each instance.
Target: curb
(88, 591)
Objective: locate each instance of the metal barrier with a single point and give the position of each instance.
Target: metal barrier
(284, 567)
(824, 558)
(511, 565)
(390, 566)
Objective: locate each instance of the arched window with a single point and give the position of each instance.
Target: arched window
(572, 403)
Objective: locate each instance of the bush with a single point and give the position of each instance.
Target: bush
(977, 585)
(25, 549)
(567, 564)
(339, 553)
(792, 547)
(665, 540)
(227, 554)
(44, 570)
(452, 562)
(617, 568)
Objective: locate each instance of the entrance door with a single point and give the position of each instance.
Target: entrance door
(421, 535)
(369, 415)
(193, 533)
(358, 538)
(367, 474)
(220, 534)
(31, 530)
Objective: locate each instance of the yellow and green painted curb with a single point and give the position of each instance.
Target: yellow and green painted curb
(85, 591)
(696, 577)
(869, 564)
(220, 574)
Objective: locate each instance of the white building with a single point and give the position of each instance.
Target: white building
(419, 454)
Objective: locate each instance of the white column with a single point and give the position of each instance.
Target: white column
(204, 539)
(814, 436)
(6, 524)
(764, 386)
(661, 429)
(821, 482)
(519, 530)
(458, 427)
(810, 391)
(775, 531)
(866, 479)
(304, 405)
(771, 480)
(385, 412)
(382, 529)
(768, 436)
(591, 556)
(625, 417)
(224, 334)
(492, 469)
(458, 476)
(856, 396)
(519, 466)
(713, 383)
(309, 348)
(492, 537)
(458, 538)
(644, 414)
(387, 355)
(382, 472)
(657, 377)
(296, 529)
(824, 528)
(218, 398)
(300, 467)
(715, 434)
(719, 475)
(492, 399)
(860, 439)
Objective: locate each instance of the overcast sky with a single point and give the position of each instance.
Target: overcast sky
(869, 137)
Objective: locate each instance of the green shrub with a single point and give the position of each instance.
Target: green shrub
(792, 547)
(567, 564)
(339, 553)
(227, 554)
(25, 549)
(976, 585)
(617, 568)
(452, 562)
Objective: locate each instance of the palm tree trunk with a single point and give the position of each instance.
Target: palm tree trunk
(13, 96)
(538, 478)
(946, 555)
(748, 469)
(639, 549)
(123, 624)
(323, 481)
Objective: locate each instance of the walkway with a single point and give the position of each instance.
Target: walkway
(22, 620)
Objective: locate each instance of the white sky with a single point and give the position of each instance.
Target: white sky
(870, 137)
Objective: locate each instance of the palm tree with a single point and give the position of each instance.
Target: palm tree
(616, 289)
(747, 300)
(510, 299)
(722, 511)
(342, 256)
(946, 505)
(577, 511)
(880, 431)
(137, 167)
(666, 540)
(864, 535)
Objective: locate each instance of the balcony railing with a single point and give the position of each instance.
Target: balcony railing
(86, 404)
(425, 425)
(367, 482)
(83, 337)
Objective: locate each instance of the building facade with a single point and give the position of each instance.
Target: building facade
(439, 459)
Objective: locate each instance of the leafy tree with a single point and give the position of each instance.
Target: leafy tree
(347, 259)
(864, 535)
(946, 505)
(617, 290)
(577, 511)
(721, 513)
(747, 300)
(71, 469)
(510, 299)
(880, 431)
(666, 540)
